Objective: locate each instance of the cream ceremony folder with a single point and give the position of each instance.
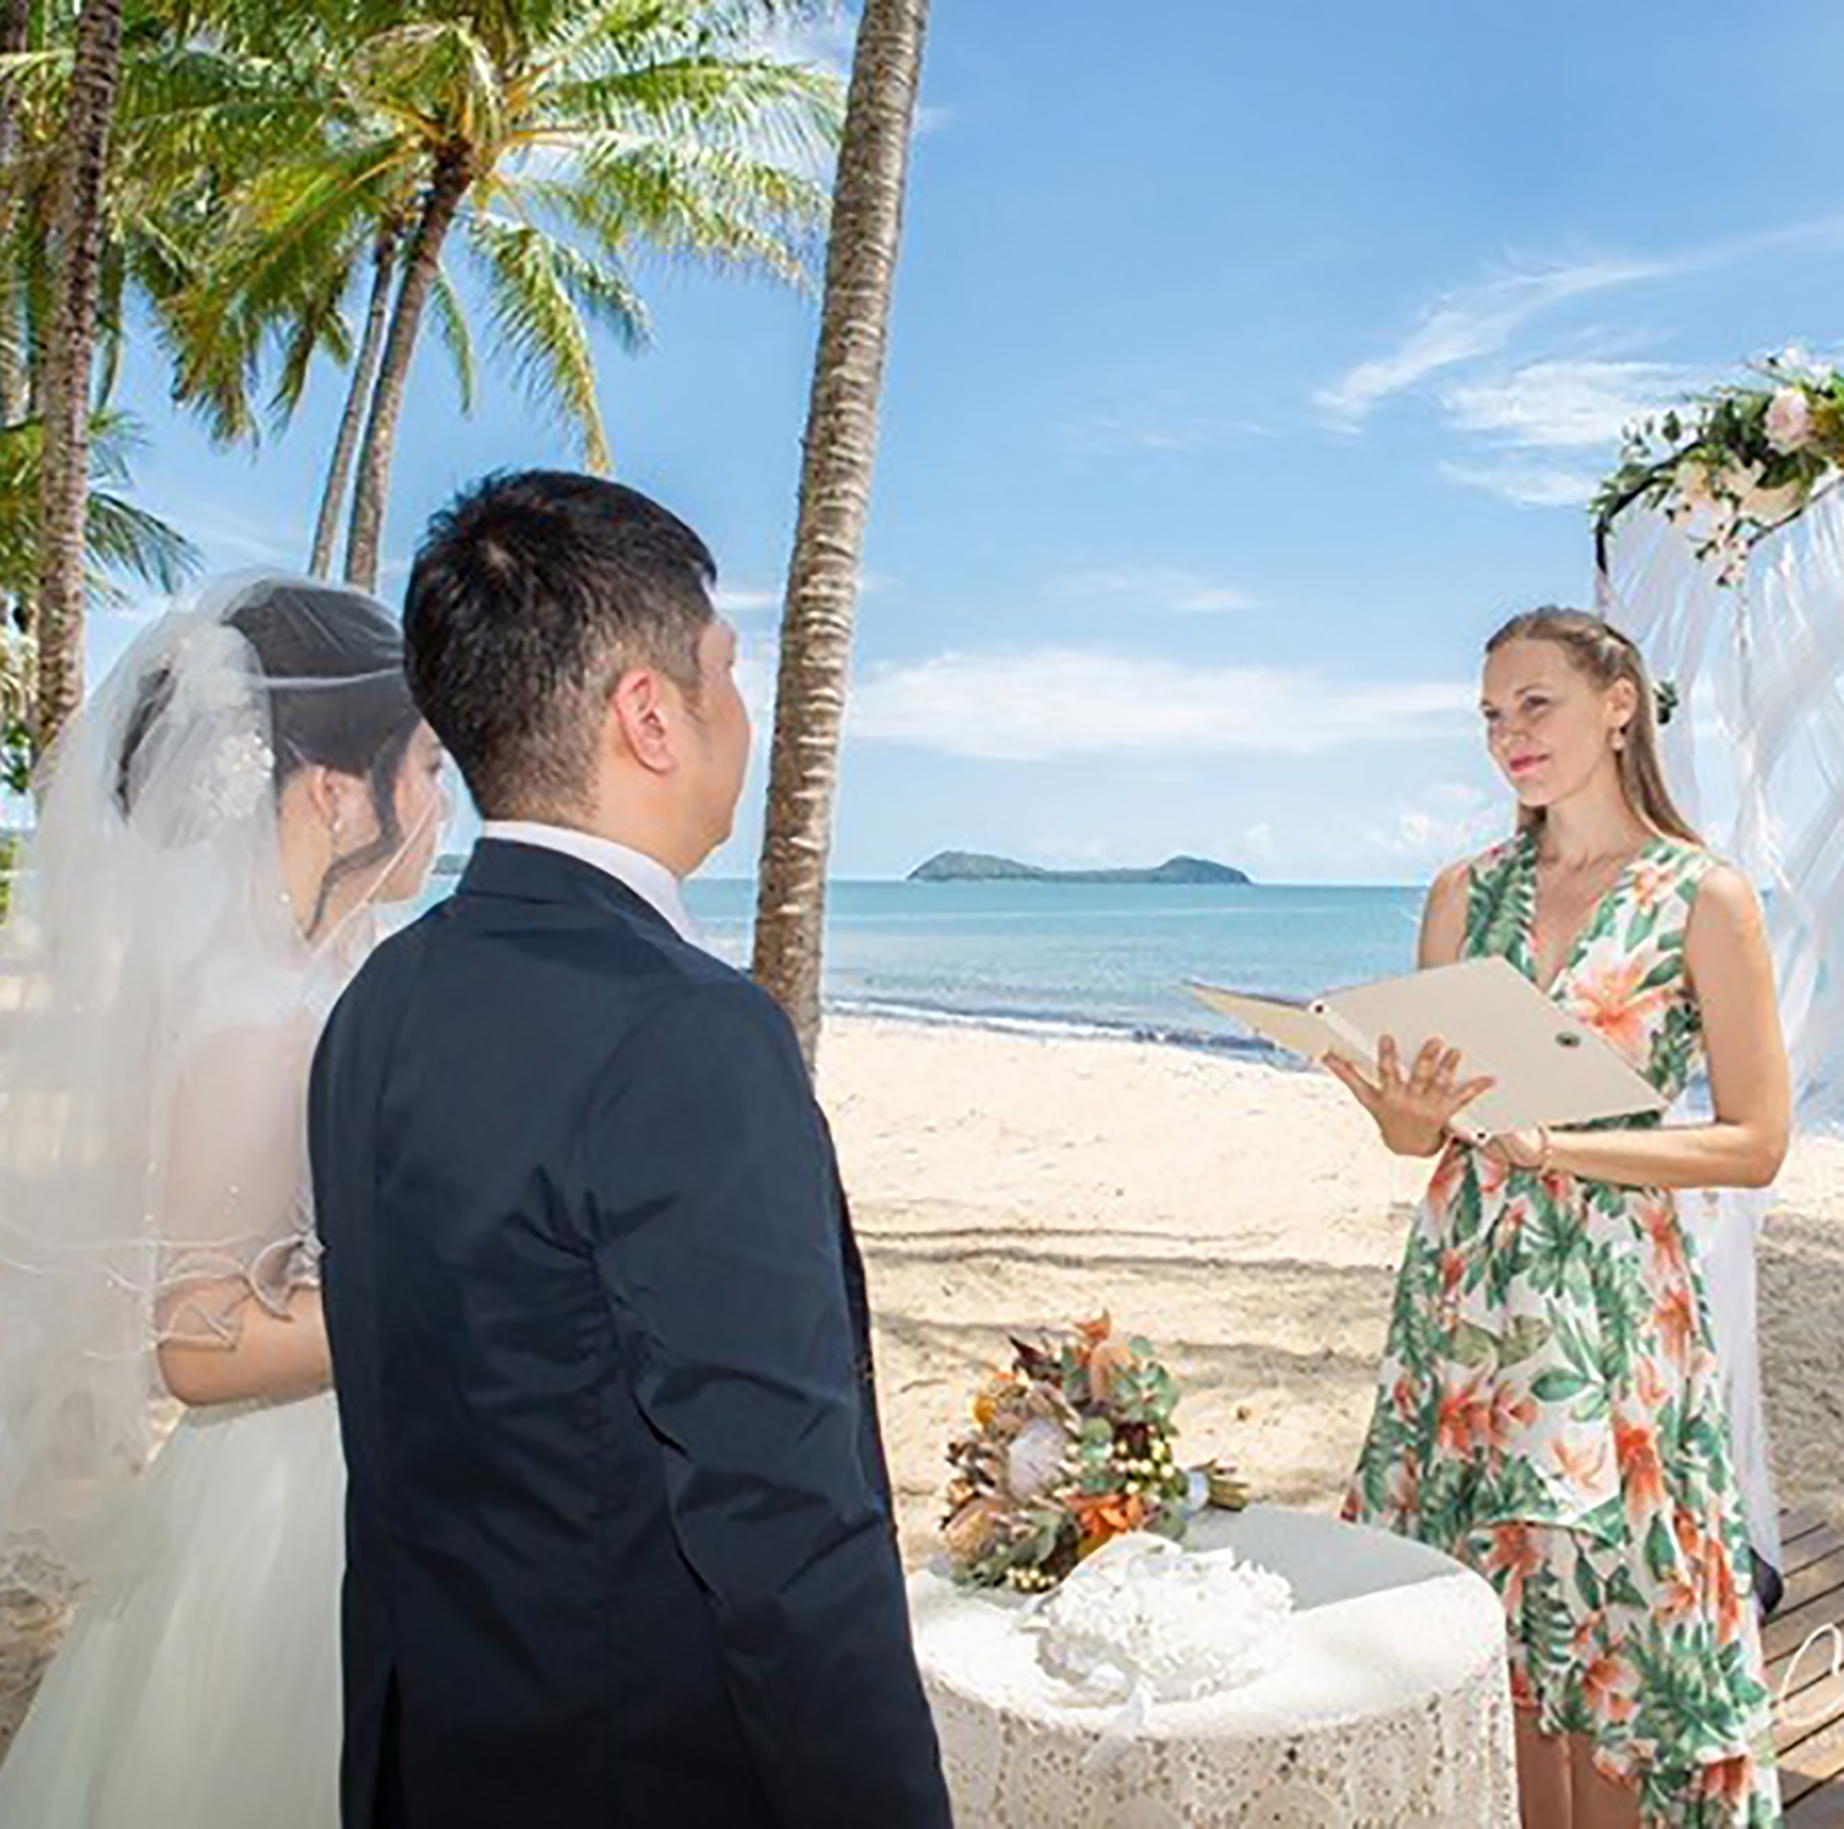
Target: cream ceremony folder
(1550, 1067)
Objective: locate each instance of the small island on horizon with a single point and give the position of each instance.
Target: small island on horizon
(977, 867)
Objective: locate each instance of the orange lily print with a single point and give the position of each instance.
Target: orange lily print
(1607, 995)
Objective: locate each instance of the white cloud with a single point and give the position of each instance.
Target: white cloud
(735, 599)
(1186, 592)
(231, 540)
(1173, 434)
(1030, 705)
(1566, 404)
(1258, 841)
(757, 663)
(1476, 321)
(1530, 485)
(1448, 820)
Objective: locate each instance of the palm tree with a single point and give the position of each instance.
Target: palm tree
(120, 539)
(363, 379)
(69, 352)
(559, 140)
(835, 493)
(15, 36)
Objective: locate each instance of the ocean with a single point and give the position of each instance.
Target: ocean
(1082, 958)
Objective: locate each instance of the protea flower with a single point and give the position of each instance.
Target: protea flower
(974, 1530)
(1035, 1458)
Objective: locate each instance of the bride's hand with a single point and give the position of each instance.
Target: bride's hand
(1412, 1110)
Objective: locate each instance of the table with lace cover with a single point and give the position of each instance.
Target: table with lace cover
(1389, 1706)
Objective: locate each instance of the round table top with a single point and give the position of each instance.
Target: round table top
(1380, 1623)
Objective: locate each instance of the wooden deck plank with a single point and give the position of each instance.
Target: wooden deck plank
(1809, 1730)
(1812, 1767)
(1809, 1739)
(1814, 1546)
(1788, 1634)
(1795, 1524)
(1807, 1584)
(1820, 1808)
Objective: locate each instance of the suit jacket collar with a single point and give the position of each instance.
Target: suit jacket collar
(528, 873)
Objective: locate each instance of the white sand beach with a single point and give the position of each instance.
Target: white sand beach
(1245, 1219)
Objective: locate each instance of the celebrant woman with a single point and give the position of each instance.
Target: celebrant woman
(1548, 1407)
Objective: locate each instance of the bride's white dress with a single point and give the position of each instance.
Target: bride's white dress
(199, 1685)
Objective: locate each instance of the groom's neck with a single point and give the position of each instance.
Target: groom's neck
(652, 838)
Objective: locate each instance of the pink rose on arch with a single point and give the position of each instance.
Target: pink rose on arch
(1789, 420)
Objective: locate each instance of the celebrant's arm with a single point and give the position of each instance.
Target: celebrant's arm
(1443, 918)
(1731, 974)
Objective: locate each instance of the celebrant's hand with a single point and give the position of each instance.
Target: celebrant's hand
(1412, 1110)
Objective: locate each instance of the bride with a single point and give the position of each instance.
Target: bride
(217, 829)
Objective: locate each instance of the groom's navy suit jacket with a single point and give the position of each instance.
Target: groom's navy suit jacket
(619, 1541)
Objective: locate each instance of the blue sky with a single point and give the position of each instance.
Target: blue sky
(1248, 368)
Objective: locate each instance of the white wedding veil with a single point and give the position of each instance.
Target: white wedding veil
(161, 989)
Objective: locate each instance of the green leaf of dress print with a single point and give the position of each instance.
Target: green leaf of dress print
(1669, 970)
(1474, 1346)
(1558, 1386)
(1527, 1336)
(1661, 1552)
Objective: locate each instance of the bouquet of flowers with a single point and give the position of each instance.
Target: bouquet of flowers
(1737, 463)
(1071, 1447)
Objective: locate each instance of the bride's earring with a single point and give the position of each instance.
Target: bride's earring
(1619, 739)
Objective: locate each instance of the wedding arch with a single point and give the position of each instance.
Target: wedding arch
(1720, 550)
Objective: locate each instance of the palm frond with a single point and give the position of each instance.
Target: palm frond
(436, 79)
(120, 538)
(692, 203)
(538, 290)
(319, 327)
(457, 339)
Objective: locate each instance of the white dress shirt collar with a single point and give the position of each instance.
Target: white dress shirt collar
(646, 876)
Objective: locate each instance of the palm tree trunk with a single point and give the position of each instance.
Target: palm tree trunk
(453, 174)
(364, 378)
(15, 35)
(64, 496)
(835, 494)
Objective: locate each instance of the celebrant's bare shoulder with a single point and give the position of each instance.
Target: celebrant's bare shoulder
(1443, 919)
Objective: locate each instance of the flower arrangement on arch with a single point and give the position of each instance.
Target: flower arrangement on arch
(1071, 1447)
(1735, 464)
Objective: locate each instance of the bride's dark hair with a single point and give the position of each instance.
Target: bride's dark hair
(330, 662)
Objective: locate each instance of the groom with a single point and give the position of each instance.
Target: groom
(619, 1529)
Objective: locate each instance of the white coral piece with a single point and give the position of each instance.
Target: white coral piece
(1142, 1617)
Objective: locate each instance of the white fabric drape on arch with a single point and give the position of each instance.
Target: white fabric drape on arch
(1755, 755)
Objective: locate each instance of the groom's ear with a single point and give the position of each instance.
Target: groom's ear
(641, 719)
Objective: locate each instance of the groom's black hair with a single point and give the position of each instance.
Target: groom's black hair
(532, 592)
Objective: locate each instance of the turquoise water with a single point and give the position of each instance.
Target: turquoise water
(1082, 956)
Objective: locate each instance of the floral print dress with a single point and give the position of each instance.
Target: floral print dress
(1548, 1408)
